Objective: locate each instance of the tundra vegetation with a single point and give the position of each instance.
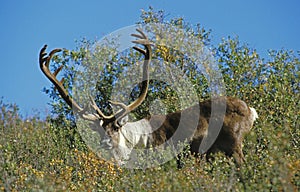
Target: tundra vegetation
(49, 154)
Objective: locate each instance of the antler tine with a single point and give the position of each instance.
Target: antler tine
(147, 52)
(42, 55)
(140, 50)
(51, 54)
(141, 36)
(97, 109)
(57, 71)
(90, 117)
(143, 40)
(44, 65)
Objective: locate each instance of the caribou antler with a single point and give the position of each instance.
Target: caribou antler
(44, 61)
(143, 40)
(44, 65)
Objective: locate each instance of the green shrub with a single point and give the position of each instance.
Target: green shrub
(49, 155)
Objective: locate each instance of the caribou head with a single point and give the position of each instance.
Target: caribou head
(123, 136)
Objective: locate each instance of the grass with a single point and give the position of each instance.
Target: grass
(38, 155)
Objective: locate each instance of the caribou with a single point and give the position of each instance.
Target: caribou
(122, 136)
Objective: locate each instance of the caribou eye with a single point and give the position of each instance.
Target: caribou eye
(106, 143)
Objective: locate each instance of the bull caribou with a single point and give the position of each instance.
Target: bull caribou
(123, 136)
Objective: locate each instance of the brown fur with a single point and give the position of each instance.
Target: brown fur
(236, 122)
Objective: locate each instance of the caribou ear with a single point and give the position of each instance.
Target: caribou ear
(123, 121)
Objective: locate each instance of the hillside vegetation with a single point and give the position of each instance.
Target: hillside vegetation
(49, 155)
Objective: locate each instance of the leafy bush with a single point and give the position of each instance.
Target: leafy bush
(51, 156)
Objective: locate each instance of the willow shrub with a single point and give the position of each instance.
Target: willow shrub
(50, 155)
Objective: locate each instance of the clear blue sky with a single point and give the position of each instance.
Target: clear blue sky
(27, 25)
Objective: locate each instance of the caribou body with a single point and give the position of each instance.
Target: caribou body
(123, 136)
(158, 129)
